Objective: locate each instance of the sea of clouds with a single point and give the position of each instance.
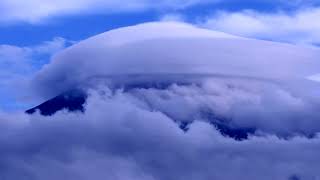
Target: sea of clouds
(154, 101)
(134, 135)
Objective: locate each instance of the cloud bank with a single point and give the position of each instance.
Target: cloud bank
(158, 106)
(120, 137)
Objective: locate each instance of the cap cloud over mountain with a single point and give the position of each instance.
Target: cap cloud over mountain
(174, 48)
(162, 98)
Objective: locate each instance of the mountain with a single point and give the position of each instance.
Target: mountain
(71, 100)
(74, 100)
(158, 55)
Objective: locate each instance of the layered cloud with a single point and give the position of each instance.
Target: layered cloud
(297, 27)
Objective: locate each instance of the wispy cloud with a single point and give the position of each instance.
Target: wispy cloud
(298, 27)
(34, 11)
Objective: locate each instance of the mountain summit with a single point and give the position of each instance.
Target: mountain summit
(160, 67)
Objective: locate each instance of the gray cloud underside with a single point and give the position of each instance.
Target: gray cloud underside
(122, 136)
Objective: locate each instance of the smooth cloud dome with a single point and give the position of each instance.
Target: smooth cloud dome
(174, 48)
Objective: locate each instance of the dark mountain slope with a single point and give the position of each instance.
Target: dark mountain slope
(74, 100)
(71, 100)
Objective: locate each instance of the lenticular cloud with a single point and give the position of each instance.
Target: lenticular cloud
(171, 101)
(243, 86)
(174, 48)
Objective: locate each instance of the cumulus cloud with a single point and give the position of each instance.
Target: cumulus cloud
(120, 137)
(18, 59)
(17, 10)
(163, 106)
(298, 27)
(19, 63)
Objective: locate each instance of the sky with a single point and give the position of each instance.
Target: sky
(150, 68)
(59, 19)
(27, 26)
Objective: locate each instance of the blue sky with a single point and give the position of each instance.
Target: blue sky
(32, 31)
(80, 25)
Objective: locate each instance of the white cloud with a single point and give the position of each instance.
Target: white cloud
(119, 137)
(300, 27)
(315, 77)
(152, 81)
(34, 11)
(17, 64)
(173, 17)
(256, 82)
(17, 58)
(150, 49)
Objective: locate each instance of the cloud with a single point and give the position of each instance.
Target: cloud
(173, 17)
(148, 49)
(18, 59)
(120, 137)
(315, 77)
(253, 84)
(298, 27)
(20, 63)
(16, 10)
(145, 84)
